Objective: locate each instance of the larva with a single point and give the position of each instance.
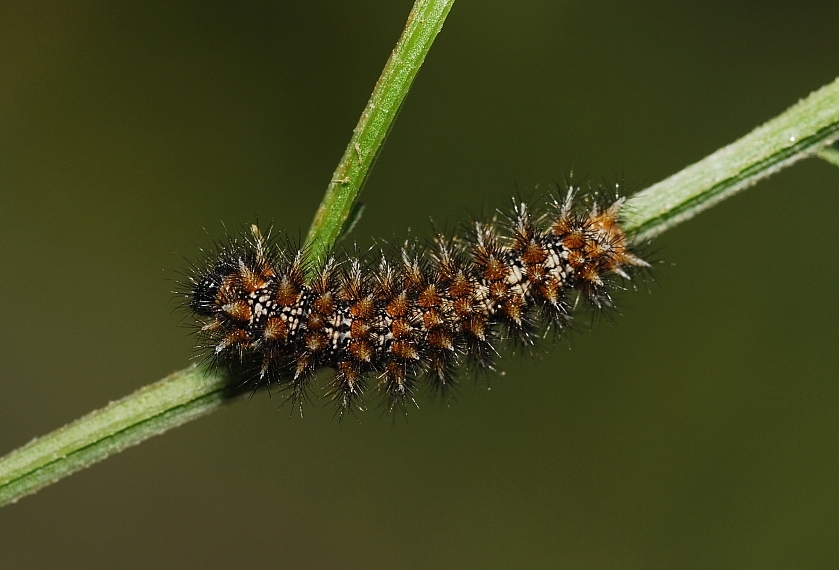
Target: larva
(416, 315)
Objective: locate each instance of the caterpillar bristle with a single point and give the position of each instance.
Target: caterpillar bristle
(390, 322)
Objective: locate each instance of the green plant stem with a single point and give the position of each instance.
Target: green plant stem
(190, 393)
(151, 410)
(424, 23)
(801, 131)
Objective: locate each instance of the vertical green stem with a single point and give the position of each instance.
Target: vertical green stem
(424, 23)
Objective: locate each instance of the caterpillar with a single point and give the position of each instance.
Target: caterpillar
(393, 321)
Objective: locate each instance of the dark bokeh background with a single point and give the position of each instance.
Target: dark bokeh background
(699, 429)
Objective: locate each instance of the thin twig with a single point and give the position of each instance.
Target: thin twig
(424, 23)
(802, 130)
(151, 410)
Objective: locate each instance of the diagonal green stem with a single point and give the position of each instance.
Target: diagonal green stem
(151, 410)
(800, 131)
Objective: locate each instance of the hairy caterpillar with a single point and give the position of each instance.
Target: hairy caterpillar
(416, 315)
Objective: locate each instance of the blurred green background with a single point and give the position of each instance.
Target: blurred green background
(698, 429)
